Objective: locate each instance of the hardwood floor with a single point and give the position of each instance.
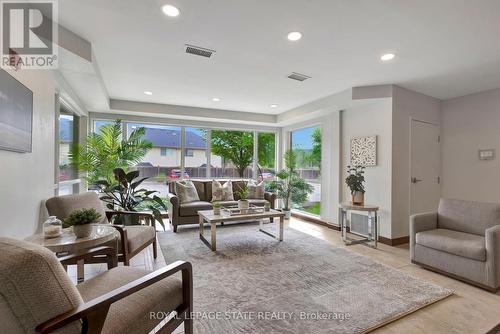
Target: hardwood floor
(470, 310)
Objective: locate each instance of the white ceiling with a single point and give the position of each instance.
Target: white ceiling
(445, 48)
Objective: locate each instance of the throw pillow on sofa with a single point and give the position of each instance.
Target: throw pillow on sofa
(186, 191)
(222, 192)
(255, 190)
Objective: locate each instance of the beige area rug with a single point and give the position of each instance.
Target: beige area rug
(255, 284)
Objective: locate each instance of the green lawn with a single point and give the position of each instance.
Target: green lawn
(314, 209)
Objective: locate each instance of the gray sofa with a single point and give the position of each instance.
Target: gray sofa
(187, 213)
(461, 240)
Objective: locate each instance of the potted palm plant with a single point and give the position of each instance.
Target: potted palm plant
(107, 150)
(289, 186)
(82, 221)
(355, 179)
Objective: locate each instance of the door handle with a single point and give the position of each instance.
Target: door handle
(415, 180)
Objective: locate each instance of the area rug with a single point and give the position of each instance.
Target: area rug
(255, 284)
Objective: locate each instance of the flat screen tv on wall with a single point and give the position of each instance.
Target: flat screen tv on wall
(16, 114)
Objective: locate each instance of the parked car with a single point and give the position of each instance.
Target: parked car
(266, 176)
(175, 174)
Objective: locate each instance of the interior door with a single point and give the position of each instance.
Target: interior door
(424, 167)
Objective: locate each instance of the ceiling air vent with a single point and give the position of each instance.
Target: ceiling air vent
(298, 76)
(199, 51)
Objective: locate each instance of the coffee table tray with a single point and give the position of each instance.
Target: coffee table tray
(238, 212)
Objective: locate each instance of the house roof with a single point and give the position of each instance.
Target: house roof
(172, 138)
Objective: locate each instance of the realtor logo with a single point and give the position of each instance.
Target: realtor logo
(29, 34)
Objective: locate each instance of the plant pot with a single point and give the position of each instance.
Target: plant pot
(267, 207)
(82, 231)
(243, 204)
(126, 220)
(358, 198)
(288, 213)
(217, 211)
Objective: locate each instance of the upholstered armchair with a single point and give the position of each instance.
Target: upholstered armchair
(36, 295)
(132, 239)
(461, 240)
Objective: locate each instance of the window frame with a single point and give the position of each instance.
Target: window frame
(289, 146)
(76, 182)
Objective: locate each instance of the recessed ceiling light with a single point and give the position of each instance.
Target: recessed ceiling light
(294, 36)
(387, 57)
(148, 93)
(273, 106)
(170, 10)
(216, 99)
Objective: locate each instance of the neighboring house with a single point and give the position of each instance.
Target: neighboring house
(166, 150)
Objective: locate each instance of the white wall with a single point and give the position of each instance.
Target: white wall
(407, 105)
(368, 120)
(471, 123)
(28, 178)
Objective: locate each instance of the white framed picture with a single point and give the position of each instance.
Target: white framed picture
(364, 151)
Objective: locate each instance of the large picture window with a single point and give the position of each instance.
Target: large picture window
(306, 144)
(266, 151)
(232, 154)
(163, 162)
(195, 153)
(201, 153)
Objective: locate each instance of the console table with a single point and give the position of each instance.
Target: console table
(372, 223)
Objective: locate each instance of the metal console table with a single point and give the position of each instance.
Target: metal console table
(372, 211)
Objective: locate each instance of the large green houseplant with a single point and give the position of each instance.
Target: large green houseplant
(289, 186)
(107, 150)
(127, 195)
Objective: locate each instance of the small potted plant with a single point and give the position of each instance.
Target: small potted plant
(217, 206)
(82, 221)
(355, 179)
(243, 203)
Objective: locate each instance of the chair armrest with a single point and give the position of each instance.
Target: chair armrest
(173, 208)
(173, 199)
(423, 222)
(102, 303)
(419, 223)
(492, 241)
(85, 254)
(271, 198)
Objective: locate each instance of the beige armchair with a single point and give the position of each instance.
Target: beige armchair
(36, 295)
(132, 239)
(461, 240)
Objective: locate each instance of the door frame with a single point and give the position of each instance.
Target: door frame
(414, 119)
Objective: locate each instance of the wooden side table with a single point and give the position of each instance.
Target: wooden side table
(372, 223)
(68, 243)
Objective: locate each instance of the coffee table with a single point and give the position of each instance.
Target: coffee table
(68, 243)
(208, 216)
